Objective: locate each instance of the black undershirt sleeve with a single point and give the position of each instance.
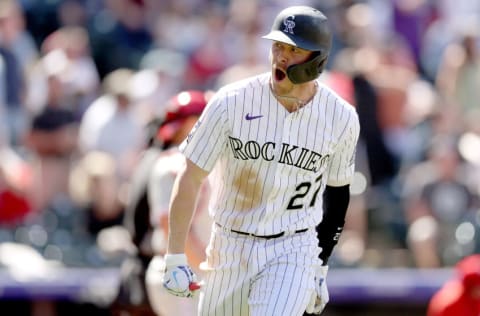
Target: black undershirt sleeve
(335, 204)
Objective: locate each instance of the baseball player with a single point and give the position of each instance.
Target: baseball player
(272, 145)
(182, 113)
(147, 210)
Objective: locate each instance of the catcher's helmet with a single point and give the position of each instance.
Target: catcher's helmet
(306, 28)
(179, 107)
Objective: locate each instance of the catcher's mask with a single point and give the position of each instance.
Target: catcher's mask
(306, 28)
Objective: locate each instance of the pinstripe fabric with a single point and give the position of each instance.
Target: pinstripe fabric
(268, 169)
(258, 277)
(262, 165)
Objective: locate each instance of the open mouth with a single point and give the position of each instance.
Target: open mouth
(279, 74)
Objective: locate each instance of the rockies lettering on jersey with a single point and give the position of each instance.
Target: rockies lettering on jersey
(307, 159)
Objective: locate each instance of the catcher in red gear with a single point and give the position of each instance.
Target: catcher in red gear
(146, 216)
(461, 295)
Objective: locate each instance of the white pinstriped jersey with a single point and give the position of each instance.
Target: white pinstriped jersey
(270, 167)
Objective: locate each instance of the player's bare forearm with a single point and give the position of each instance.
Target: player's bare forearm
(182, 205)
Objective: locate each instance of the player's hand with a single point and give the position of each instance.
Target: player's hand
(178, 278)
(321, 297)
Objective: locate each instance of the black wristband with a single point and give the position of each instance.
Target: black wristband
(336, 200)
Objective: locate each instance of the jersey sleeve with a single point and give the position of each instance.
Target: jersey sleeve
(207, 139)
(342, 164)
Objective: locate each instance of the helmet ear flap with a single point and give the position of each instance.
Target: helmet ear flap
(321, 65)
(307, 71)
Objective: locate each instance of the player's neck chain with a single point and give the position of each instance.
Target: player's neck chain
(296, 102)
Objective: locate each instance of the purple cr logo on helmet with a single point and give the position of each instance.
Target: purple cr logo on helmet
(289, 24)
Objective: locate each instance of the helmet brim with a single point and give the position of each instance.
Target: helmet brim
(280, 36)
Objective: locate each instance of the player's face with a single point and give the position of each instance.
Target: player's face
(283, 56)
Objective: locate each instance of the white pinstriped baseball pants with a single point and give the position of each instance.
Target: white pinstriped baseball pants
(249, 276)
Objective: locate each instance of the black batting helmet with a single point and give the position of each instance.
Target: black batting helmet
(306, 28)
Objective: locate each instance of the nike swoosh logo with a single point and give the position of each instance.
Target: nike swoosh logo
(249, 117)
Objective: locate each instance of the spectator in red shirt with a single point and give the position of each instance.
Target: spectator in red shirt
(461, 295)
(14, 178)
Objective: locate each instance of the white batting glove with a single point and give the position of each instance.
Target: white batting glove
(178, 278)
(320, 298)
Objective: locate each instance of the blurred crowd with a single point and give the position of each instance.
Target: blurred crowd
(80, 81)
